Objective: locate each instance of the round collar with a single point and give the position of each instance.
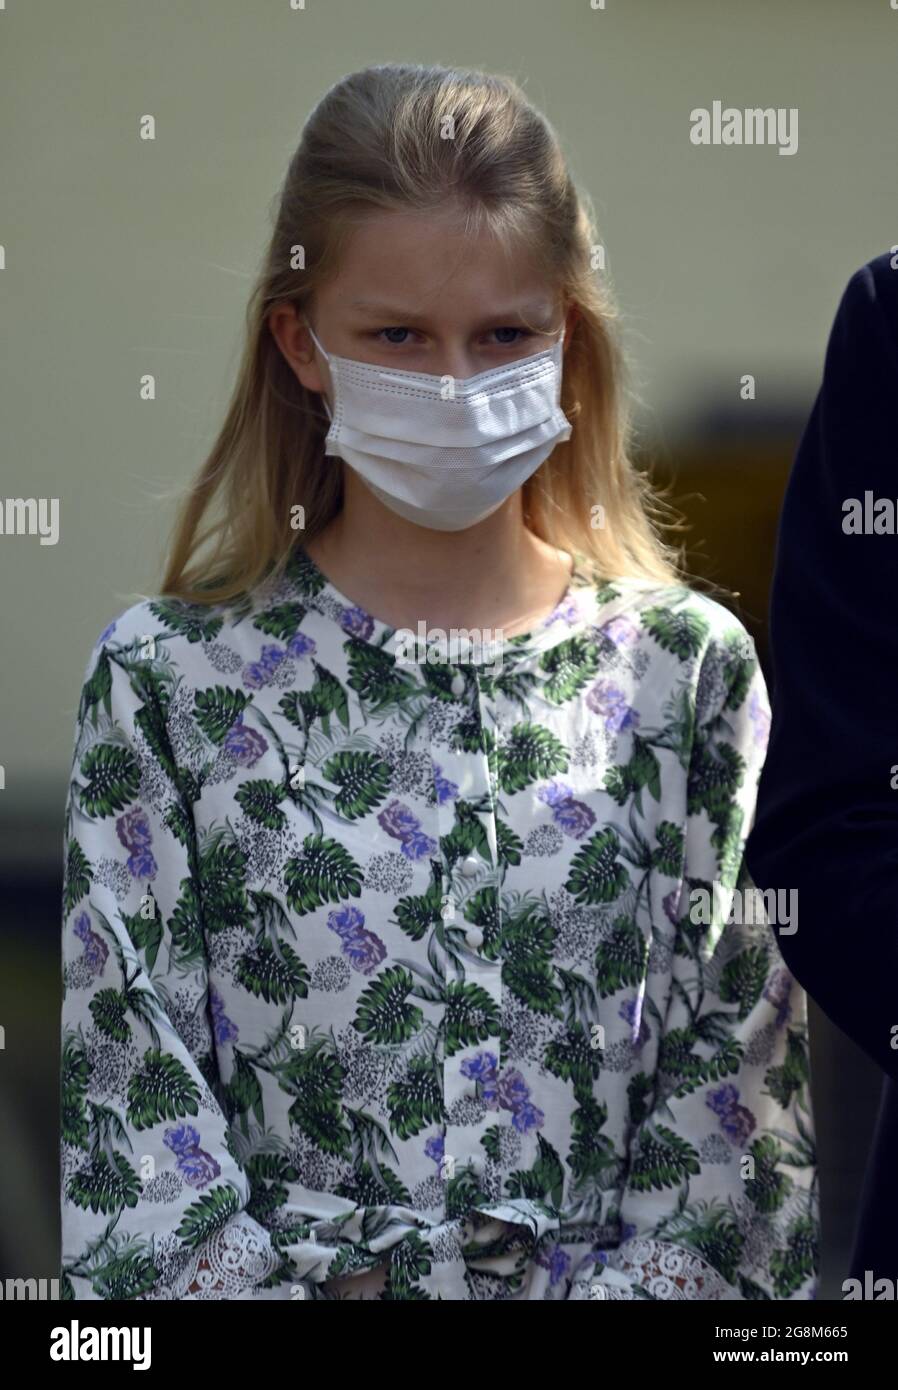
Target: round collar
(585, 605)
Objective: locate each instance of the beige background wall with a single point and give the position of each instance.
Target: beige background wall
(125, 257)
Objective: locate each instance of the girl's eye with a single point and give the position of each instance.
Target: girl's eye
(400, 341)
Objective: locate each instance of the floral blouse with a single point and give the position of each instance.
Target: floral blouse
(373, 963)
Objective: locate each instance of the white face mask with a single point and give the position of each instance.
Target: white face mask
(440, 452)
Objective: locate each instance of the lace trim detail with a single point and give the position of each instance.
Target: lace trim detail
(228, 1265)
(665, 1271)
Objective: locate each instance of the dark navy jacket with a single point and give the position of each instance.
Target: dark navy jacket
(827, 816)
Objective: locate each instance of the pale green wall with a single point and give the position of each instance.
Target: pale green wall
(124, 257)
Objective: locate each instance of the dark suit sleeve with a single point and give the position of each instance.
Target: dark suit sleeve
(827, 815)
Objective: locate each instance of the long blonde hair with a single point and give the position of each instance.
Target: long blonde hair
(376, 140)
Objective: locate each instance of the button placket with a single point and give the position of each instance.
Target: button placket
(473, 872)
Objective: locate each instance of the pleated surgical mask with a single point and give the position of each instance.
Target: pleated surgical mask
(442, 452)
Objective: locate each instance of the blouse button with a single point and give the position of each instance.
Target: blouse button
(474, 937)
(458, 684)
(469, 866)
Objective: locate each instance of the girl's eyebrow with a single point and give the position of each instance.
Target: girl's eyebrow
(395, 313)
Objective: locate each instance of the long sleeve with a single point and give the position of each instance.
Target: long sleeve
(827, 821)
(154, 1199)
(720, 1199)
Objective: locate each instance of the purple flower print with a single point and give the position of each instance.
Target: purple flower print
(620, 631)
(736, 1121)
(224, 1029)
(722, 1098)
(142, 864)
(631, 1012)
(364, 951)
(346, 921)
(272, 657)
(362, 948)
(243, 744)
(398, 821)
(107, 632)
(738, 1125)
(418, 845)
(606, 699)
(526, 1117)
(512, 1090)
(445, 789)
(555, 793)
(566, 611)
(556, 1261)
(508, 1092)
(357, 622)
(96, 952)
(261, 672)
(760, 718)
(778, 989)
(479, 1067)
(435, 1148)
(133, 829)
(196, 1166)
(671, 903)
(573, 817)
(301, 645)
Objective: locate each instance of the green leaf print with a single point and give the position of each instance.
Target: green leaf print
(260, 800)
(717, 1238)
(527, 970)
(108, 1009)
(662, 1159)
(622, 958)
(160, 1089)
(204, 1217)
(277, 976)
(592, 1154)
(529, 754)
(416, 1101)
(217, 709)
(670, 843)
(544, 1181)
(770, 1187)
(97, 690)
(573, 1058)
(191, 620)
(792, 1266)
(793, 1076)
(222, 864)
(113, 779)
(683, 633)
(471, 1016)
(281, 621)
(323, 873)
(77, 877)
(107, 1184)
(596, 874)
(317, 1077)
(375, 677)
(384, 1014)
(570, 666)
(74, 1078)
(363, 779)
(743, 978)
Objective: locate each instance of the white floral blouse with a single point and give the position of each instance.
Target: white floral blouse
(379, 964)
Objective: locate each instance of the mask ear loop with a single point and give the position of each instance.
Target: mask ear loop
(326, 356)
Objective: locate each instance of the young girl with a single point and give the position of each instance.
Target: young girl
(404, 829)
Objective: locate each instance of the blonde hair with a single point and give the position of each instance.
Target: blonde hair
(375, 141)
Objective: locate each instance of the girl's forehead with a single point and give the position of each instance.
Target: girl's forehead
(426, 262)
